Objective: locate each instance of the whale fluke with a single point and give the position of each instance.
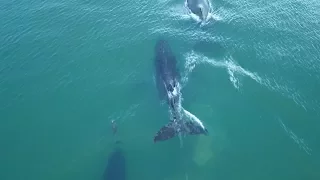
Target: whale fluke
(166, 132)
(173, 128)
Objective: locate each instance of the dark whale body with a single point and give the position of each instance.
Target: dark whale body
(116, 167)
(167, 80)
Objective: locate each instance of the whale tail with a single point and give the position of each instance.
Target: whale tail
(173, 128)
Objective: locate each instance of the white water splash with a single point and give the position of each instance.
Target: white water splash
(302, 145)
(210, 15)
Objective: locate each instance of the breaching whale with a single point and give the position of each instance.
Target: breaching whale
(167, 80)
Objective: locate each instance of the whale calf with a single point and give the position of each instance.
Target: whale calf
(200, 8)
(167, 80)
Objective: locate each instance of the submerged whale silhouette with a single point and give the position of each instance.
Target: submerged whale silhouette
(116, 167)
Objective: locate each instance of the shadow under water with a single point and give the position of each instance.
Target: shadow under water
(116, 167)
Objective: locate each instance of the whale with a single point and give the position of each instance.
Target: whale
(168, 83)
(116, 168)
(199, 8)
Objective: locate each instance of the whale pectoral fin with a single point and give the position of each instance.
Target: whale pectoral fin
(166, 132)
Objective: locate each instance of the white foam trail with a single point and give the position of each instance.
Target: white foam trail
(229, 64)
(233, 79)
(302, 145)
(233, 69)
(190, 64)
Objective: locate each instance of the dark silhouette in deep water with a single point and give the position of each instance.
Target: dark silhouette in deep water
(116, 167)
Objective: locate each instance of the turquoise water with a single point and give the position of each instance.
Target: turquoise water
(251, 74)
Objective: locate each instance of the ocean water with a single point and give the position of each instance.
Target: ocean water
(251, 74)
